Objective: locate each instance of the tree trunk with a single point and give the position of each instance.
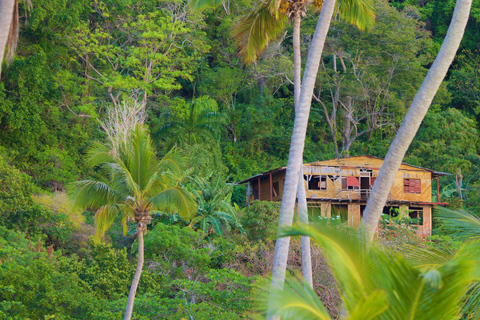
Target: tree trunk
(414, 118)
(297, 145)
(138, 272)
(301, 196)
(6, 17)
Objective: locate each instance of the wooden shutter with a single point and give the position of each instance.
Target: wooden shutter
(412, 186)
(417, 187)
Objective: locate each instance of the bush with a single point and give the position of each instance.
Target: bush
(37, 283)
(260, 220)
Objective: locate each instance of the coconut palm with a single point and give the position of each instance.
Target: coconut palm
(264, 24)
(138, 184)
(378, 283)
(201, 124)
(414, 118)
(297, 144)
(215, 212)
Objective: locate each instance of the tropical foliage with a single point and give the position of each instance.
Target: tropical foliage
(202, 124)
(215, 212)
(378, 284)
(79, 64)
(140, 183)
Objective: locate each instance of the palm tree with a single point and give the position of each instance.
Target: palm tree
(354, 10)
(8, 28)
(378, 283)
(265, 23)
(297, 144)
(414, 118)
(139, 183)
(201, 124)
(214, 209)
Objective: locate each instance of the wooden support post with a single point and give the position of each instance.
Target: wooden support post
(326, 209)
(271, 187)
(354, 215)
(259, 199)
(427, 222)
(438, 189)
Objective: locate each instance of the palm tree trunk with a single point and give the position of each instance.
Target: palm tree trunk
(301, 196)
(297, 145)
(138, 273)
(414, 118)
(6, 17)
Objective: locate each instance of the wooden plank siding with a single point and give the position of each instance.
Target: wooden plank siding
(353, 167)
(277, 177)
(336, 170)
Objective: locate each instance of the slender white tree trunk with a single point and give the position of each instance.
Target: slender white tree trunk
(297, 145)
(301, 196)
(138, 273)
(414, 118)
(6, 16)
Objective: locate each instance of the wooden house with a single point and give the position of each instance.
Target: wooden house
(344, 186)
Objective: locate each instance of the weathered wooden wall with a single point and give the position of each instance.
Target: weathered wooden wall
(352, 167)
(278, 176)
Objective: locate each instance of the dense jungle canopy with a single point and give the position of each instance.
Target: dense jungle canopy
(77, 60)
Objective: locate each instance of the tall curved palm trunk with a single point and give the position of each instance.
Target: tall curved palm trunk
(6, 17)
(414, 118)
(138, 272)
(301, 196)
(297, 145)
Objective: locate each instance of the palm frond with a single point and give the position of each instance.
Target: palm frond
(344, 253)
(104, 218)
(141, 164)
(367, 276)
(471, 306)
(370, 308)
(172, 162)
(428, 258)
(202, 4)
(124, 176)
(465, 223)
(360, 13)
(177, 199)
(215, 223)
(298, 301)
(99, 154)
(89, 193)
(256, 29)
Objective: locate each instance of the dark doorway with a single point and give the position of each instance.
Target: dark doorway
(364, 188)
(362, 208)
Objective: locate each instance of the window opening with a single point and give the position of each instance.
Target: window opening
(412, 186)
(417, 214)
(317, 182)
(350, 183)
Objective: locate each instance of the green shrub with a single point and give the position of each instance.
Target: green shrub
(260, 220)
